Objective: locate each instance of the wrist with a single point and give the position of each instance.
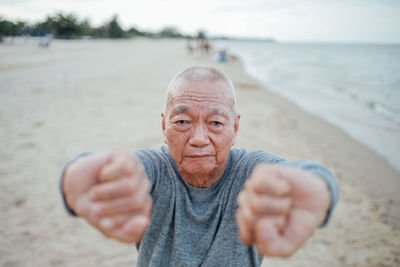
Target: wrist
(63, 189)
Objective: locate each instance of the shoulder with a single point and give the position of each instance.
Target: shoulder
(155, 161)
(146, 154)
(243, 157)
(243, 162)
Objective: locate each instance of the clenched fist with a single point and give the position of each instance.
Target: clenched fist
(111, 192)
(279, 209)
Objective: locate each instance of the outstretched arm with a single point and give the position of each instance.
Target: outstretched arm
(280, 207)
(111, 192)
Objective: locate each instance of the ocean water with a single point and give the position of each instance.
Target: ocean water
(353, 86)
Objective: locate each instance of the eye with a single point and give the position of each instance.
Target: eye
(216, 124)
(181, 122)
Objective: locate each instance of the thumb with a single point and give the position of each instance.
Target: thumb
(135, 227)
(91, 166)
(269, 240)
(309, 192)
(84, 170)
(81, 175)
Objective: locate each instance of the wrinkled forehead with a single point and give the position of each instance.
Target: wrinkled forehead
(212, 93)
(206, 108)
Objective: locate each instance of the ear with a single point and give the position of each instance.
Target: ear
(235, 129)
(163, 127)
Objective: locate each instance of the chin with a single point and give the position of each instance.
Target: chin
(199, 168)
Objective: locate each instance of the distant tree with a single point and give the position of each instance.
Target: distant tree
(85, 28)
(66, 26)
(44, 27)
(114, 30)
(61, 25)
(21, 27)
(6, 27)
(100, 32)
(133, 31)
(10, 28)
(201, 35)
(170, 32)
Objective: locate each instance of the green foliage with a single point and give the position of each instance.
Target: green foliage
(9, 28)
(68, 26)
(43, 27)
(132, 32)
(64, 26)
(201, 35)
(114, 30)
(6, 27)
(86, 29)
(170, 32)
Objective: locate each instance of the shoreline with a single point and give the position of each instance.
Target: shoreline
(389, 183)
(369, 183)
(108, 95)
(368, 124)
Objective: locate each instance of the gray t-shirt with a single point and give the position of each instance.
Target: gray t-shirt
(193, 226)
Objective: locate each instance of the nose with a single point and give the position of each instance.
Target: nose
(199, 137)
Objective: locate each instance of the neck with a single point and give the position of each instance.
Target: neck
(203, 179)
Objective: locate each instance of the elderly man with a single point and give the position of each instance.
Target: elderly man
(200, 201)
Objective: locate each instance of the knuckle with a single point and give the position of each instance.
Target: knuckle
(287, 204)
(259, 205)
(130, 186)
(244, 237)
(239, 218)
(259, 168)
(248, 182)
(147, 184)
(248, 217)
(94, 193)
(139, 202)
(270, 171)
(128, 165)
(97, 211)
(81, 211)
(150, 202)
(105, 173)
(263, 168)
(266, 249)
(241, 198)
(256, 206)
(147, 211)
(72, 170)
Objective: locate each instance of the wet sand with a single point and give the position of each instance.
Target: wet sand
(108, 95)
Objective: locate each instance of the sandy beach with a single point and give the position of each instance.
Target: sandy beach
(81, 96)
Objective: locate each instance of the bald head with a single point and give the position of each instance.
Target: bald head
(201, 74)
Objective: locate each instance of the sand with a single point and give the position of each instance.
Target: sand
(108, 95)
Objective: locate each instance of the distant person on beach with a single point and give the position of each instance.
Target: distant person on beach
(190, 46)
(198, 200)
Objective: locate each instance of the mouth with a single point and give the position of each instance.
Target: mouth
(199, 156)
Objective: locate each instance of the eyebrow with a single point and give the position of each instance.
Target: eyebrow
(219, 111)
(180, 109)
(185, 109)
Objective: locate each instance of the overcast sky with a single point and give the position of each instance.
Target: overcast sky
(284, 20)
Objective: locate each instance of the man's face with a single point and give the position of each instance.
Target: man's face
(200, 127)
